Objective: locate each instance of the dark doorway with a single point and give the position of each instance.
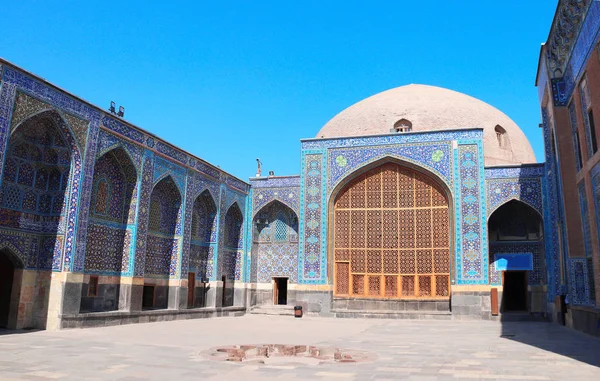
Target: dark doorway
(514, 295)
(148, 297)
(7, 270)
(280, 291)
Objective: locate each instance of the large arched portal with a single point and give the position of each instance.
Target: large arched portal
(275, 249)
(517, 256)
(392, 236)
(34, 186)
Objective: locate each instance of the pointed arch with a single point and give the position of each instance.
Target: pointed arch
(51, 113)
(515, 228)
(513, 198)
(232, 242)
(50, 174)
(13, 254)
(119, 147)
(172, 177)
(112, 207)
(395, 214)
(204, 217)
(203, 236)
(274, 230)
(281, 200)
(517, 214)
(343, 182)
(373, 162)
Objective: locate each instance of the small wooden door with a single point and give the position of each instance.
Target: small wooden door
(191, 289)
(275, 291)
(280, 291)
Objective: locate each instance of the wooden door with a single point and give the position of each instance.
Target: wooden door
(191, 289)
(275, 291)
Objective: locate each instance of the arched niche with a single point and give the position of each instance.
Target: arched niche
(390, 234)
(108, 245)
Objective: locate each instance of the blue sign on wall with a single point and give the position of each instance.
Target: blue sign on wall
(513, 261)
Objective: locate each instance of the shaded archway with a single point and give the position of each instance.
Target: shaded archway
(391, 235)
(108, 236)
(36, 199)
(202, 244)
(34, 183)
(162, 245)
(232, 247)
(274, 250)
(517, 257)
(9, 262)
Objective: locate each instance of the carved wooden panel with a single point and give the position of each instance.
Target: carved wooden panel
(392, 236)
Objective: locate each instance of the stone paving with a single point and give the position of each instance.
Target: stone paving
(413, 350)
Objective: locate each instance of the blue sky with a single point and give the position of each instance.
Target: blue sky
(231, 81)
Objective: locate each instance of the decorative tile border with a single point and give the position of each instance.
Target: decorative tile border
(472, 259)
(404, 138)
(579, 293)
(435, 157)
(312, 256)
(527, 190)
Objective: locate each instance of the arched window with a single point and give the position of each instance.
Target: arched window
(502, 137)
(403, 125)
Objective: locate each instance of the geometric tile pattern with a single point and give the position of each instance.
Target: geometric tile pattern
(561, 41)
(202, 236)
(552, 211)
(13, 80)
(233, 237)
(433, 156)
(275, 243)
(536, 249)
(383, 140)
(585, 219)
(471, 227)
(312, 256)
(163, 240)
(527, 190)
(112, 206)
(114, 232)
(579, 293)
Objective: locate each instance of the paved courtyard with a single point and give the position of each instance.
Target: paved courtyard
(402, 349)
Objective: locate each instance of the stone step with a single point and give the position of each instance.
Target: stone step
(417, 315)
(273, 310)
(521, 316)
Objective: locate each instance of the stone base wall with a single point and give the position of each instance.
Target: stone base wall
(471, 305)
(584, 319)
(391, 305)
(29, 299)
(102, 319)
(315, 300)
(106, 298)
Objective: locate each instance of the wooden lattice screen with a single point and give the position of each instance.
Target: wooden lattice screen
(392, 236)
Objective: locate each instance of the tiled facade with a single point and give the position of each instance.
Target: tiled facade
(128, 222)
(84, 192)
(568, 82)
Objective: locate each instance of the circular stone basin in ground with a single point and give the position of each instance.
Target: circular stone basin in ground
(283, 354)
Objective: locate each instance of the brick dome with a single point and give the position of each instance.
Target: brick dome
(419, 108)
